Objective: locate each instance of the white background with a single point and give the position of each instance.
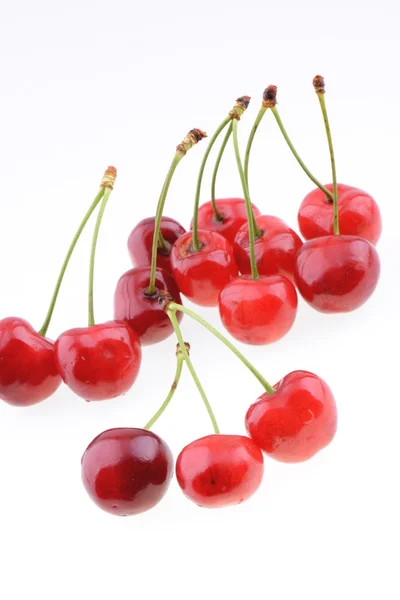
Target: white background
(91, 83)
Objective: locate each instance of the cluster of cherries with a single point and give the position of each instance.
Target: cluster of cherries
(233, 257)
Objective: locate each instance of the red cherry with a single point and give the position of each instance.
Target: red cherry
(141, 239)
(358, 214)
(276, 247)
(233, 211)
(295, 422)
(28, 373)
(337, 273)
(220, 470)
(258, 311)
(202, 274)
(99, 362)
(142, 312)
(127, 471)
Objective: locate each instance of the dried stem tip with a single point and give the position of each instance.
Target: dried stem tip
(179, 351)
(109, 178)
(241, 104)
(269, 96)
(194, 136)
(319, 84)
(164, 299)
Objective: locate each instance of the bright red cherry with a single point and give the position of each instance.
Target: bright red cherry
(141, 239)
(220, 470)
(337, 273)
(276, 247)
(358, 214)
(99, 362)
(295, 422)
(258, 311)
(28, 372)
(141, 311)
(234, 215)
(202, 274)
(127, 471)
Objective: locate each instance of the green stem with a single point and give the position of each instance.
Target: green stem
(172, 316)
(93, 206)
(217, 214)
(328, 194)
(253, 232)
(157, 415)
(259, 117)
(195, 236)
(173, 306)
(99, 219)
(321, 99)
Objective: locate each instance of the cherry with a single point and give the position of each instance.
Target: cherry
(296, 421)
(337, 273)
(28, 373)
(258, 311)
(201, 274)
(140, 242)
(232, 213)
(127, 471)
(276, 247)
(358, 214)
(220, 470)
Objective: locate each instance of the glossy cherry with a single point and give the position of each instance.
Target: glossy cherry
(141, 311)
(127, 471)
(258, 311)
(358, 214)
(28, 373)
(337, 273)
(141, 239)
(295, 422)
(233, 213)
(99, 362)
(220, 470)
(202, 274)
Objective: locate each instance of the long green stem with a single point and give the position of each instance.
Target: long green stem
(173, 306)
(257, 122)
(92, 207)
(321, 99)
(172, 316)
(250, 215)
(217, 214)
(157, 415)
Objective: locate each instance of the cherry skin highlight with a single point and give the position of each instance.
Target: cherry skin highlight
(99, 362)
(234, 215)
(258, 311)
(141, 239)
(275, 248)
(141, 311)
(28, 372)
(220, 470)
(127, 471)
(337, 273)
(358, 214)
(295, 422)
(202, 274)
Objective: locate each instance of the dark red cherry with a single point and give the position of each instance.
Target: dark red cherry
(295, 422)
(28, 373)
(141, 239)
(99, 362)
(202, 274)
(234, 215)
(276, 247)
(141, 311)
(358, 214)
(337, 273)
(220, 470)
(258, 311)
(127, 471)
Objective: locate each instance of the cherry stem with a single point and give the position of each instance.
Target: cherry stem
(217, 214)
(172, 316)
(253, 229)
(173, 307)
(257, 122)
(179, 363)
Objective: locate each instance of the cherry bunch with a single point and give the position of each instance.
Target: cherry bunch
(233, 257)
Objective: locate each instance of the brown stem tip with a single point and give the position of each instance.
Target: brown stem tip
(269, 96)
(164, 299)
(319, 84)
(109, 178)
(194, 136)
(241, 104)
(179, 351)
